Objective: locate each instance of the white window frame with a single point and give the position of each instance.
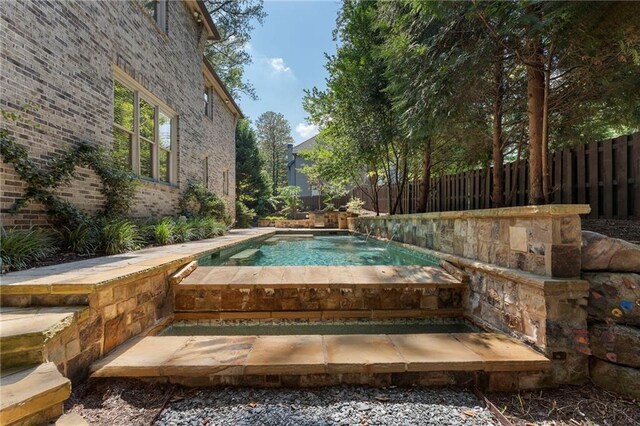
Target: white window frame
(139, 92)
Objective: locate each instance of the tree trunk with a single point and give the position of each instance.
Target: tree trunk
(546, 178)
(535, 101)
(496, 146)
(425, 181)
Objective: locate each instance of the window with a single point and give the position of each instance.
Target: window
(207, 107)
(143, 134)
(205, 172)
(158, 10)
(225, 182)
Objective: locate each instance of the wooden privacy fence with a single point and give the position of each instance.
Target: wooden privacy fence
(605, 175)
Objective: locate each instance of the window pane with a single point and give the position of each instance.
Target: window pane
(146, 159)
(165, 157)
(164, 122)
(122, 105)
(147, 120)
(151, 7)
(206, 102)
(122, 148)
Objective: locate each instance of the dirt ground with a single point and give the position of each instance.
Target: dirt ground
(567, 405)
(628, 230)
(125, 402)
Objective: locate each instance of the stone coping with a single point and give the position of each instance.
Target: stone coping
(541, 281)
(160, 356)
(35, 324)
(328, 315)
(549, 210)
(84, 276)
(375, 276)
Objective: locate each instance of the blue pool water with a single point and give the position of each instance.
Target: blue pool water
(321, 250)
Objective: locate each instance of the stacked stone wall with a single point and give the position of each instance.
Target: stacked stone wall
(612, 268)
(523, 265)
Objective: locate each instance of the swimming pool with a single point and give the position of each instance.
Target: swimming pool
(289, 328)
(307, 250)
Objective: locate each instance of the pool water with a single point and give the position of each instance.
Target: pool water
(291, 329)
(319, 250)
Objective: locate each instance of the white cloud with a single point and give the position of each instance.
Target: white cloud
(306, 130)
(277, 64)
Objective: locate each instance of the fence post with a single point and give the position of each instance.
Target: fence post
(607, 177)
(621, 177)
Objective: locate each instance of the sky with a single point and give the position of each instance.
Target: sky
(288, 53)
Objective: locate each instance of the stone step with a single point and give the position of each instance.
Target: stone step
(25, 332)
(198, 359)
(33, 395)
(319, 291)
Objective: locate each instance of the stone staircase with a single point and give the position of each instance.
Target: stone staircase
(35, 344)
(284, 296)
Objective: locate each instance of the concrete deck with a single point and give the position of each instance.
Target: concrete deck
(85, 276)
(319, 277)
(191, 356)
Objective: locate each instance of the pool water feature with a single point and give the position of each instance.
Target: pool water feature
(289, 328)
(309, 250)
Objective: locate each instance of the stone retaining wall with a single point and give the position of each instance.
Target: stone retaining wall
(544, 240)
(524, 268)
(612, 269)
(115, 313)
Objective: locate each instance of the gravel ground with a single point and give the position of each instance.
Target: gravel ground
(128, 402)
(340, 405)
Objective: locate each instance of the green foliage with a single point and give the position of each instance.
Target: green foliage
(119, 236)
(234, 21)
(19, 248)
(355, 205)
(209, 204)
(244, 215)
(274, 133)
(207, 227)
(275, 217)
(118, 185)
(182, 230)
(82, 239)
(252, 182)
(290, 198)
(164, 232)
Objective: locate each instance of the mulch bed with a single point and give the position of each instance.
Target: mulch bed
(628, 230)
(119, 402)
(567, 405)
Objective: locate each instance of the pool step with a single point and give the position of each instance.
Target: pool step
(309, 360)
(251, 292)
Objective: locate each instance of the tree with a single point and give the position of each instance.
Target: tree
(234, 20)
(252, 182)
(274, 134)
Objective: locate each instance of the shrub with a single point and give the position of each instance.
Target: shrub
(163, 232)
(19, 248)
(290, 196)
(244, 215)
(182, 230)
(81, 239)
(209, 204)
(355, 205)
(207, 227)
(119, 235)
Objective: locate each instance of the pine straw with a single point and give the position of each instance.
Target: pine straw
(567, 405)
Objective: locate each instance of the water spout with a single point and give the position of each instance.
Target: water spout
(394, 232)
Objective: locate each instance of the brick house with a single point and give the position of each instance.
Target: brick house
(129, 76)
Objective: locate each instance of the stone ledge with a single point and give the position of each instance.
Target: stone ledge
(86, 276)
(549, 284)
(322, 315)
(550, 210)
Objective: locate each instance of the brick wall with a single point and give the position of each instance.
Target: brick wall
(58, 56)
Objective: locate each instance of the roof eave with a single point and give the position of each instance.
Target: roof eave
(222, 89)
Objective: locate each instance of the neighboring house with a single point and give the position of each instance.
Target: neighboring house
(295, 162)
(129, 76)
